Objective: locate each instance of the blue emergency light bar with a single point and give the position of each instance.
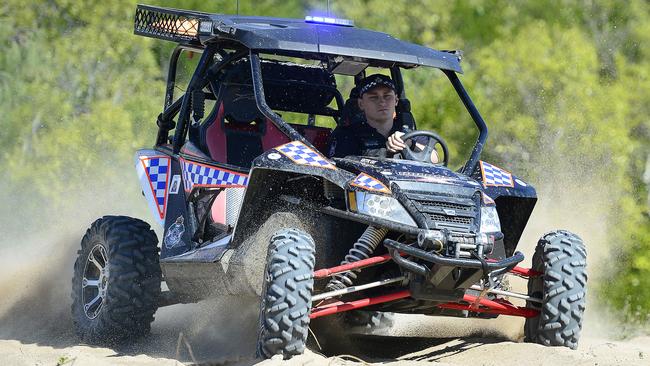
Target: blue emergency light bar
(329, 20)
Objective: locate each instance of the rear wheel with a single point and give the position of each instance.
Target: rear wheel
(116, 283)
(286, 296)
(562, 258)
(368, 322)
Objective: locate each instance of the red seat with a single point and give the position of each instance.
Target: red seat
(217, 130)
(318, 136)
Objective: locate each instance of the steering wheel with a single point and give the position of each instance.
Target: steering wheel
(410, 154)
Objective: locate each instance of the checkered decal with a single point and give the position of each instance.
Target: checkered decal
(195, 174)
(495, 176)
(157, 169)
(300, 154)
(369, 183)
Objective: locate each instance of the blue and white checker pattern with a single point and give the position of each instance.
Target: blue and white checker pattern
(206, 176)
(157, 169)
(369, 183)
(495, 176)
(301, 154)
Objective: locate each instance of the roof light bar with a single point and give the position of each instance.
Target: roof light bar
(329, 20)
(170, 24)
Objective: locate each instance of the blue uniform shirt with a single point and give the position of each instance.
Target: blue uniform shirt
(358, 139)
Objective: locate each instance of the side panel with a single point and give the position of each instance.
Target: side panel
(197, 175)
(177, 238)
(152, 168)
(226, 206)
(515, 200)
(194, 175)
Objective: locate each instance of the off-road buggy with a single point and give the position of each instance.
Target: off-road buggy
(250, 205)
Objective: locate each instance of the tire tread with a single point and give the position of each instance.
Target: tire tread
(561, 256)
(134, 281)
(286, 303)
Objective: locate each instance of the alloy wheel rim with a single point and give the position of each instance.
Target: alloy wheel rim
(94, 282)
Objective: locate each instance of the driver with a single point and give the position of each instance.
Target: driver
(377, 100)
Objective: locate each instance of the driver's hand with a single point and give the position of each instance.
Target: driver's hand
(394, 144)
(434, 157)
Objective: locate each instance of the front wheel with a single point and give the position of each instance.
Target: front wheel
(286, 296)
(562, 258)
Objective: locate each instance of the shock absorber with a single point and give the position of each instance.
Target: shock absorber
(362, 249)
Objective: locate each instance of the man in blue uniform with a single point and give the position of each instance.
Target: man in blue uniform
(377, 101)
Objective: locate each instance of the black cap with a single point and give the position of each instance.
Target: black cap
(374, 81)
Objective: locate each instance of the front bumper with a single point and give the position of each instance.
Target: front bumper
(395, 248)
(435, 277)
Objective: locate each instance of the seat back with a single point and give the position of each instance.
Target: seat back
(236, 132)
(318, 136)
(351, 113)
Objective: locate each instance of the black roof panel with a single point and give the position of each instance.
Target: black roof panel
(295, 36)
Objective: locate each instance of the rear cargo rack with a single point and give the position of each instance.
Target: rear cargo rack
(181, 26)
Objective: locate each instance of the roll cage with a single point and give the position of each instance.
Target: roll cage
(231, 51)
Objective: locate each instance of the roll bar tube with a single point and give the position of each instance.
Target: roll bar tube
(396, 75)
(184, 114)
(169, 105)
(171, 76)
(260, 100)
(171, 73)
(198, 81)
(470, 166)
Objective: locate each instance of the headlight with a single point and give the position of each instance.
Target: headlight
(383, 207)
(490, 220)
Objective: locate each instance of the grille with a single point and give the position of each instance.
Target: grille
(451, 219)
(441, 204)
(234, 199)
(432, 207)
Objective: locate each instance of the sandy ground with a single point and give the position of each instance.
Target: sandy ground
(415, 340)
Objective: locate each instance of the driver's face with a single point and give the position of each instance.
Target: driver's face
(378, 104)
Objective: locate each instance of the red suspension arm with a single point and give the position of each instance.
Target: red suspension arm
(483, 305)
(340, 307)
(325, 272)
(490, 307)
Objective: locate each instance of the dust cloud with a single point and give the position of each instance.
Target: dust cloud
(574, 196)
(36, 269)
(35, 288)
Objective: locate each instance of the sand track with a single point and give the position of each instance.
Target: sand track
(458, 345)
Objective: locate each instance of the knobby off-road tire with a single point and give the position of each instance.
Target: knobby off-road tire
(368, 322)
(286, 296)
(128, 286)
(562, 257)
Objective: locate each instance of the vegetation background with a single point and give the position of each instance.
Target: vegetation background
(564, 86)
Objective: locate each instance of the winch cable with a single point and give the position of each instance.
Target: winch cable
(363, 248)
